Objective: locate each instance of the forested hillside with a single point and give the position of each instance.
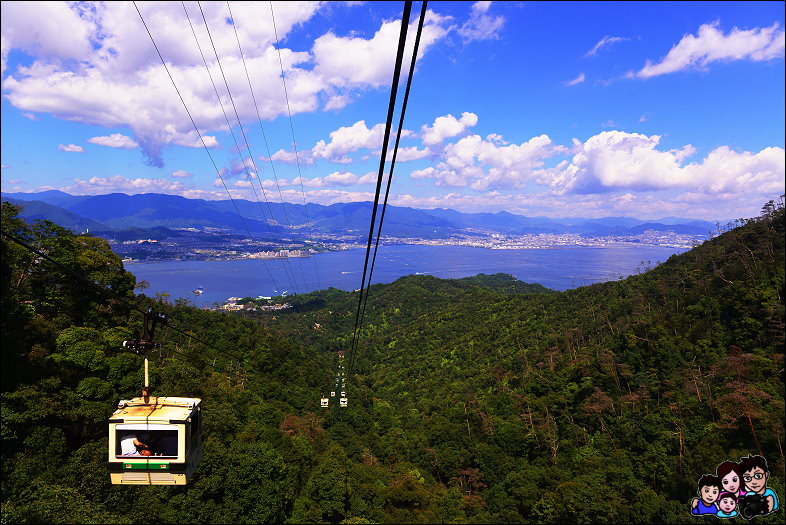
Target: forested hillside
(480, 400)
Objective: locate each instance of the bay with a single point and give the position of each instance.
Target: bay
(555, 268)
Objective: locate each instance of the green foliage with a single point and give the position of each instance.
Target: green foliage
(472, 401)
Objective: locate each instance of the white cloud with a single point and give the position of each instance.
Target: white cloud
(614, 160)
(93, 63)
(409, 154)
(290, 157)
(488, 164)
(44, 28)
(606, 41)
(358, 62)
(447, 126)
(426, 173)
(120, 183)
(337, 178)
(711, 45)
(181, 174)
(481, 26)
(348, 139)
(239, 168)
(115, 140)
(578, 80)
(73, 148)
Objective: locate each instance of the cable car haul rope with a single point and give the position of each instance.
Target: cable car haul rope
(158, 440)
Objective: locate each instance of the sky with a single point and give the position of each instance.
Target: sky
(556, 109)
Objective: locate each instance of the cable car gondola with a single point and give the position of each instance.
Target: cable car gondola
(154, 440)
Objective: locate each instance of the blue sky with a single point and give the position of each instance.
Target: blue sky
(645, 109)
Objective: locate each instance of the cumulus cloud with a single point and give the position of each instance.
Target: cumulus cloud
(73, 148)
(489, 164)
(578, 80)
(290, 157)
(60, 32)
(337, 178)
(245, 168)
(93, 63)
(481, 26)
(710, 44)
(348, 139)
(356, 62)
(606, 41)
(447, 126)
(408, 154)
(614, 160)
(181, 174)
(115, 140)
(120, 183)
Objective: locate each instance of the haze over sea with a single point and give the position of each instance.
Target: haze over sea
(557, 268)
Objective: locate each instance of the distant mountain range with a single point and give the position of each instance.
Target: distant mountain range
(118, 211)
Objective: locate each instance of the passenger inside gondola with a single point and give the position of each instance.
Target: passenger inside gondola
(133, 445)
(153, 443)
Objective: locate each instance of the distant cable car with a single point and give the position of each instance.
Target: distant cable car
(324, 402)
(342, 402)
(157, 441)
(332, 394)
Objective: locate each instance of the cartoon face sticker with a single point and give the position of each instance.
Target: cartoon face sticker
(727, 503)
(731, 482)
(755, 479)
(709, 493)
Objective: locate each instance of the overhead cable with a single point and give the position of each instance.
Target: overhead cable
(264, 135)
(292, 129)
(395, 150)
(391, 106)
(234, 138)
(218, 172)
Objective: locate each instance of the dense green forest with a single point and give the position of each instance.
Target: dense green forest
(479, 400)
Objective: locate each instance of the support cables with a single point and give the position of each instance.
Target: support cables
(264, 136)
(402, 39)
(395, 151)
(292, 129)
(199, 133)
(234, 138)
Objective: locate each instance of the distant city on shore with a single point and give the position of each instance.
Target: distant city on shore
(195, 229)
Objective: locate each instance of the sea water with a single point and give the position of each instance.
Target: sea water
(555, 268)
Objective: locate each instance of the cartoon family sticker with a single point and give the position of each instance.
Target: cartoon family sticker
(736, 489)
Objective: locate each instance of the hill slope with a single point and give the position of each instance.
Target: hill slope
(475, 400)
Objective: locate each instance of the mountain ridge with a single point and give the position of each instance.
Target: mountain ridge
(117, 211)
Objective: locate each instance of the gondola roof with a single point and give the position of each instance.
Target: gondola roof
(173, 408)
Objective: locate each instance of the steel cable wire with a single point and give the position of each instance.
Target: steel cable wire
(199, 133)
(388, 125)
